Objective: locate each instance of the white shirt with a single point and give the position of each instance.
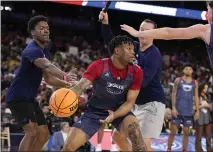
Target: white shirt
(64, 135)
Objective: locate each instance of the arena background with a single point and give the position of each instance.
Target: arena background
(77, 41)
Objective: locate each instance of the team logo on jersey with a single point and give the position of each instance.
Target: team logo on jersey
(115, 88)
(187, 88)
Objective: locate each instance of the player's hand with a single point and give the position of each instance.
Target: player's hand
(72, 76)
(174, 112)
(197, 115)
(68, 85)
(110, 118)
(129, 29)
(103, 17)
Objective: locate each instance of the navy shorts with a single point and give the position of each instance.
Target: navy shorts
(90, 123)
(187, 121)
(25, 111)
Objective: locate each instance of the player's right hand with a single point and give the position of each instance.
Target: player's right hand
(174, 112)
(103, 17)
(72, 76)
(130, 30)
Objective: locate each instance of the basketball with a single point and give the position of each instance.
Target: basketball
(63, 102)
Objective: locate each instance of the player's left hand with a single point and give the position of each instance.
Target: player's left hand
(196, 116)
(129, 29)
(68, 85)
(110, 118)
(72, 76)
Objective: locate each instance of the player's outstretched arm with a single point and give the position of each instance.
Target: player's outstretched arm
(83, 84)
(92, 73)
(53, 81)
(166, 33)
(51, 69)
(106, 31)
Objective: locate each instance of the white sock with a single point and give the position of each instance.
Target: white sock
(98, 145)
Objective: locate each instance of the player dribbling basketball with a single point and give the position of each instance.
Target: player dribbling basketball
(117, 83)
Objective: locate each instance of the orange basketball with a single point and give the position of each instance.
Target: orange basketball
(63, 102)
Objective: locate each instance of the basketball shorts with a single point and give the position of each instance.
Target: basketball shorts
(187, 121)
(150, 117)
(27, 111)
(90, 123)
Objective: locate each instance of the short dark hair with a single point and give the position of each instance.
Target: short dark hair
(34, 21)
(151, 21)
(119, 40)
(210, 3)
(187, 65)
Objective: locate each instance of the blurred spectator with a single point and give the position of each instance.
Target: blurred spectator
(203, 126)
(166, 59)
(60, 137)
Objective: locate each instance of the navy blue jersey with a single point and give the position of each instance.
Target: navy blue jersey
(185, 97)
(210, 47)
(150, 61)
(110, 93)
(28, 76)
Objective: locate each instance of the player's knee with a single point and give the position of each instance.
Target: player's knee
(115, 135)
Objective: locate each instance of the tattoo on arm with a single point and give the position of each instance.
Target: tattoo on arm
(81, 86)
(136, 138)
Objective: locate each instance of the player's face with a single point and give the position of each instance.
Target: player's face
(187, 71)
(210, 16)
(205, 89)
(143, 27)
(127, 55)
(42, 32)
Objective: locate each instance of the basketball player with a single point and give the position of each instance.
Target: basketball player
(151, 96)
(205, 32)
(22, 92)
(184, 94)
(117, 83)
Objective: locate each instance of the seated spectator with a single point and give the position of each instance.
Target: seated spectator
(60, 137)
